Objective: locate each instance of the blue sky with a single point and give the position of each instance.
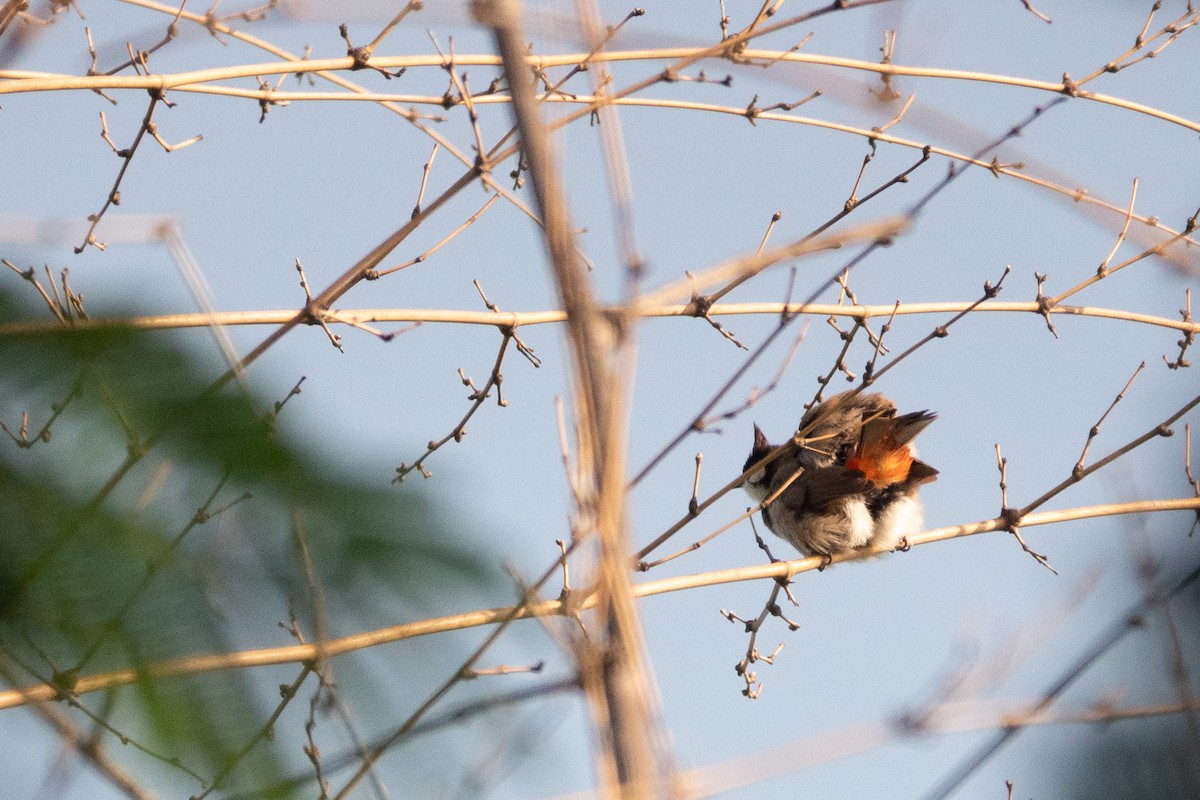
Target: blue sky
(324, 182)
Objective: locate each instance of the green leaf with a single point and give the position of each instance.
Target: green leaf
(106, 562)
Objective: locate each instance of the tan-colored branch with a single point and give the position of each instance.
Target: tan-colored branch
(789, 758)
(692, 55)
(25, 81)
(190, 665)
(504, 319)
(740, 269)
(392, 101)
(632, 761)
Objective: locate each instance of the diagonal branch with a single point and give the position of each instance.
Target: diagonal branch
(199, 664)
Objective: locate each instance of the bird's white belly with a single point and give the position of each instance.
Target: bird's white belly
(903, 517)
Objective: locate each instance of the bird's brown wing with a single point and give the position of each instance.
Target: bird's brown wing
(835, 426)
(823, 487)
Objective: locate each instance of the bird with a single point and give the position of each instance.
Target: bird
(847, 481)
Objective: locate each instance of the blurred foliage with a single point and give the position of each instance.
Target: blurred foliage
(1146, 761)
(94, 578)
(1157, 758)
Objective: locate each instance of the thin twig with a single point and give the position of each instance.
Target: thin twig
(126, 156)
(1124, 230)
(1189, 335)
(1105, 271)
(1029, 6)
(375, 274)
(287, 693)
(1162, 429)
(1095, 429)
(317, 315)
(477, 396)
(1010, 515)
(1187, 471)
(941, 331)
(425, 179)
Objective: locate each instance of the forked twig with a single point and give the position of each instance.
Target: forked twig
(1162, 429)
(943, 330)
(375, 274)
(1189, 336)
(1095, 429)
(771, 608)
(1011, 516)
(477, 395)
(456, 434)
(316, 315)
